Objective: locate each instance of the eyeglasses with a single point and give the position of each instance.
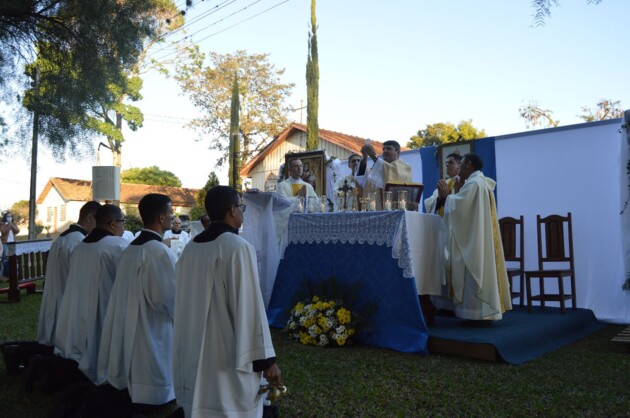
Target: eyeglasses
(355, 161)
(242, 206)
(120, 220)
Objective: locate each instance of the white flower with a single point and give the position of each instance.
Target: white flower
(341, 329)
(312, 331)
(323, 340)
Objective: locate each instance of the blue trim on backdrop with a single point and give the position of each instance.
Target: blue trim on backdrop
(483, 147)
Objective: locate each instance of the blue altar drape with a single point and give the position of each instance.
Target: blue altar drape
(397, 323)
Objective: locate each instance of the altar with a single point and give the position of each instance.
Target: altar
(394, 256)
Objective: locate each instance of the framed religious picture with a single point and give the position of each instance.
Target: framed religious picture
(314, 171)
(462, 148)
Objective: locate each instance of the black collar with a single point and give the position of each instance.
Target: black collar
(146, 236)
(74, 228)
(214, 230)
(96, 235)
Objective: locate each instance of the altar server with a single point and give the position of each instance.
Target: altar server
(222, 344)
(176, 233)
(92, 271)
(137, 338)
(294, 186)
(474, 253)
(57, 268)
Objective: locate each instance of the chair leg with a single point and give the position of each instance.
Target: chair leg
(529, 294)
(521, 289)
(561, 292)
(541, 284)
(573, 299)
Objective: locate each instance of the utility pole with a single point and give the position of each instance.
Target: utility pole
(32, 233)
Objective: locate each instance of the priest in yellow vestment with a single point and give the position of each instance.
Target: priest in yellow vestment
(474, 252)
(435, 203)
(388, 168)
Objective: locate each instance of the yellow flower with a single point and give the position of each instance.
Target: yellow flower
(344, 316)
(341, 341)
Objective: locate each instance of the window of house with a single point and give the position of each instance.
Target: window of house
(62, 213)
(49, 214)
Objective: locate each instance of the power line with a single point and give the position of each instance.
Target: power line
(229, 27)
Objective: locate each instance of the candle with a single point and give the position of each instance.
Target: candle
(372, 205)
(387, 205)
(322, 206)
(402, 204)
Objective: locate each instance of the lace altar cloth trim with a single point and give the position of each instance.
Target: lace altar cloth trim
(380, 228)
(24, 247)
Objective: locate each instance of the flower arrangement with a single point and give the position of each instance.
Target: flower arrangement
(322, 322)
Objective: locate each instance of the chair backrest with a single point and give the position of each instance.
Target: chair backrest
(414, 190)
(513, 239)
(558, 240)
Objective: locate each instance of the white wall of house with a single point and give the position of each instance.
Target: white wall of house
(57, 213)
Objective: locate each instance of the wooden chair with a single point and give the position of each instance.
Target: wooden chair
(514, 251)
(414, 192)
(553, 250)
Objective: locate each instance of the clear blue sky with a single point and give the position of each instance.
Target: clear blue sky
(387, 69)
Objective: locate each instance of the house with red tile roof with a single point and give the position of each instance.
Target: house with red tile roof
(61, 199)
(263, 169)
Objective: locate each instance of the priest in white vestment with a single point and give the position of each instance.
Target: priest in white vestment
(176, 233)
(222, 345)
(294, 187)
(92, 271)
(388, 168)
(435, 203)
(354, 160)
(57, 269)
(474, 252)
(137, 338)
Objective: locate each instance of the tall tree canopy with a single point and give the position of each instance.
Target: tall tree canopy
(72, 107)
(263, 111)
(150, 175)
(604, 109)
(444, 133)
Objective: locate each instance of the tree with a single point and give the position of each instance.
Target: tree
(312, 85)
(263, 112)
(20, 212)
(235, 140)
(200, 209)
(605, 109)
(102, 113)
(543, 9)
(444, 133)
(537, 116)
(150, 175)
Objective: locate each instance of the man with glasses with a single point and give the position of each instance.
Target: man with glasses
(435, 203)
(221, 334)
(90, 279)
(294, 187)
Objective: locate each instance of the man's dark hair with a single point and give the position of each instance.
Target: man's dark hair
(293, 159)
(199, 218)
(475, 160)
(394, 144)
(219, 200)
(107, 213)
(88, 209)
(152, 206)
(4, 217)
(456, 156)
(354, 154)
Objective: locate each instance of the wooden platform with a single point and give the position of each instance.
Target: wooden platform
(623, 337)
(480, 351)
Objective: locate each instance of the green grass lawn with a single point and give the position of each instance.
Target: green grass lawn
(588, 378)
